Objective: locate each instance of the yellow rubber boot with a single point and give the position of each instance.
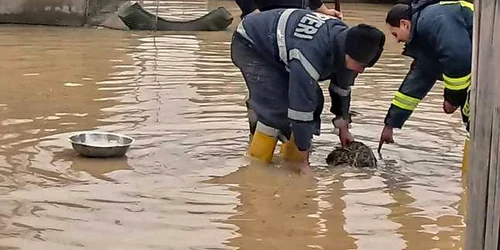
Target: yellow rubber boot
(290, 152)
(263, 143)
(465, 158)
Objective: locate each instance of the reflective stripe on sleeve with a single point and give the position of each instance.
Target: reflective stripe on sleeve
(457, 83)
(300, 115)
(405, 102)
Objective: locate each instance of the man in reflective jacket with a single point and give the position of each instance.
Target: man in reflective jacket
(282, 55)
(255, 6)
(438, 36)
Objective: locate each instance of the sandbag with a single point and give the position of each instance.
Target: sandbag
(137, 18)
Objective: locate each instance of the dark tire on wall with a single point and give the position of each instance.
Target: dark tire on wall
(137, 18)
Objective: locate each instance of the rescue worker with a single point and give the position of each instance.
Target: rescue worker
(438, 36)
(256, 6)
(282, 54)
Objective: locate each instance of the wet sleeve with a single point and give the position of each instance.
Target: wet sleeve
(314, 4)
(453, 47)
(246, 6)
(414, 88)
(302, 96)
(340, 94)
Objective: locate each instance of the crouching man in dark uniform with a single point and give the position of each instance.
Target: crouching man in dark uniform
(282, 55)
(255, 6)
(438, 36)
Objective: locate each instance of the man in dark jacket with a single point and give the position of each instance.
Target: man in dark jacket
(282, 55)
(438, 36)
(255, 6)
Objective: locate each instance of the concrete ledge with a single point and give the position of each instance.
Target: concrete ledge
(47, 12)
(107, 15)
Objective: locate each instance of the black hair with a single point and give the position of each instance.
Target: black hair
(398, 12)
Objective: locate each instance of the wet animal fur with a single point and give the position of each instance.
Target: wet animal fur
(357, 155)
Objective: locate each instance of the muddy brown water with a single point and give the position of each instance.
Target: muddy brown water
(184, 184)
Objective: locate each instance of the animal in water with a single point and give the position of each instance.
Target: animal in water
(356, 154)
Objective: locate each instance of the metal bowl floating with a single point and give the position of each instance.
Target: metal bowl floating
(100, 144)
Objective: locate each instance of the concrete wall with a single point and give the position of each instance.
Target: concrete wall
(50, 12)
(104, 13)
(96, 7)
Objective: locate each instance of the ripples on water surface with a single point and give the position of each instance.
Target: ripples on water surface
(181, 185)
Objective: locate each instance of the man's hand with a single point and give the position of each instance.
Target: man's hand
(345, 136)
(448, 108)
(334, 13)
(255, 11)
(331, 12)
(386, 136)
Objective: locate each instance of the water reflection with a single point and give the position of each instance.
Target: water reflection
(277, 209)
(97, 168)
(181, 98)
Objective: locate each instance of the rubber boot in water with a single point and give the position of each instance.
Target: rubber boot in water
(290, 152)
(263, 143)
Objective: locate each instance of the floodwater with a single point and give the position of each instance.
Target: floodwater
(184, 183)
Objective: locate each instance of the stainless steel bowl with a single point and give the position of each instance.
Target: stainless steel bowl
(100, 144)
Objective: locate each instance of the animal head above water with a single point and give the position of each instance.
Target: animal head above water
(357, 155)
